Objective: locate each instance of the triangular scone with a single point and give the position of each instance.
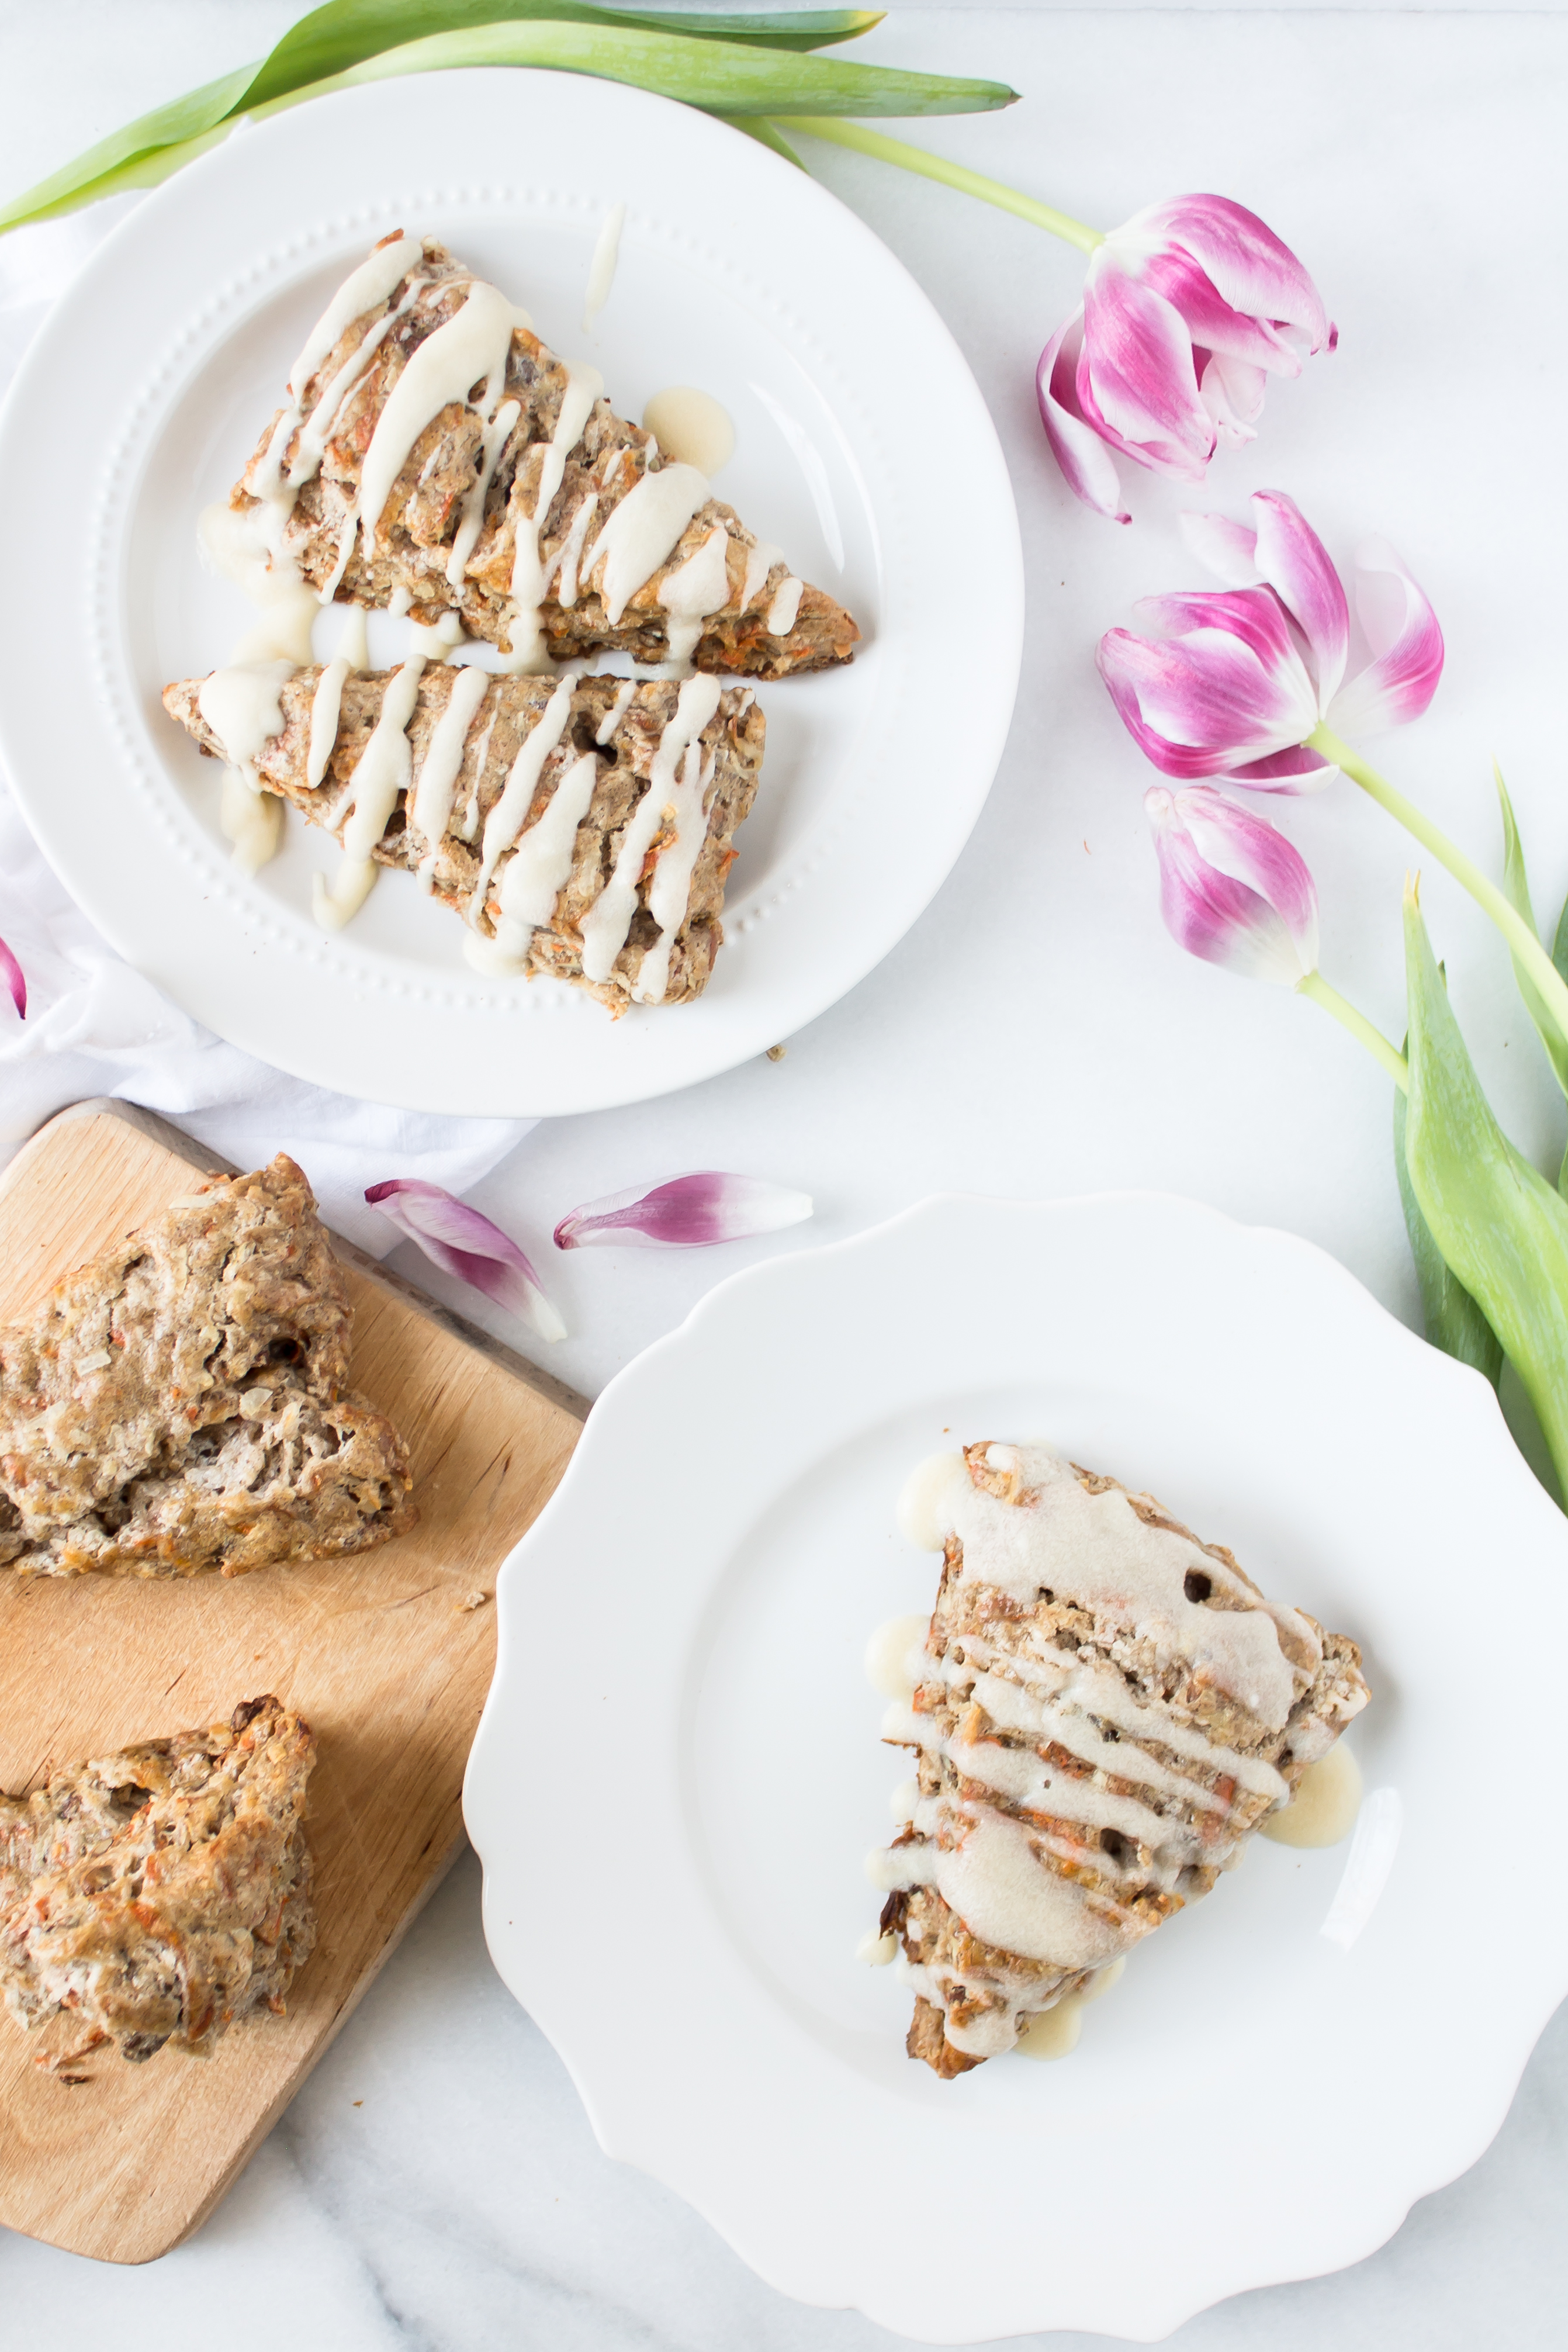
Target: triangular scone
(432, 445)
(584, 828)
(1106, 1709)
(162, 1893)
(180, 1403)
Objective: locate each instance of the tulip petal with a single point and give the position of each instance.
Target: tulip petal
(684, 1213)
(1202, 705)
(16, 981)
(1227, 549)
(1078, 449)
(463, 1243)
(1402, 629)
(1247, 847)
(1136, 377)
(1240, 336)
(1232, 392)
(1298, 770)
(1294, 561)
(1250, 267)
(1214, 915)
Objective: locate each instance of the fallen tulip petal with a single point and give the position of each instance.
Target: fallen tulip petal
(463, 1243)
(16, 981)
(684, 1213)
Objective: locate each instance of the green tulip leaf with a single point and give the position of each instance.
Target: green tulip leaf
(767, 134)
(346, 32)
(1453, 1320)
(1497, 1223)
(729, 66)
(1516, 887)
(181, 120)
(720, 76)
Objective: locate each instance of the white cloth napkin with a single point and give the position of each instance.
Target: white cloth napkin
(94, 1026)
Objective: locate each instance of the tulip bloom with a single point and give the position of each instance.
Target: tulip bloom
(1235, 892)
(1187, 311)
(1232, 889)
(463, 1243)
(1249, 680)
(684, 1213)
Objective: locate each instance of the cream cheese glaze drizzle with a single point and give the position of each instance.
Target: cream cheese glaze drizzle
(642, 531)
(430, 801)
(327, 702)
(383, 770)
(609, 920)
(694, 589)
(508, 816)
(242, 708)
(529, 574)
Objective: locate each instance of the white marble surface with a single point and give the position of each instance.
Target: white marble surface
(1035, 1034)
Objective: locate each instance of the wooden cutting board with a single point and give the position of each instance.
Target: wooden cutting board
(378, 1652)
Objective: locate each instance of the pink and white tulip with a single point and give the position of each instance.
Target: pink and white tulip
(1187, 311)
(1236, 681)
(463, 1243)
(1232, 889)
(16, 981)
(684, 1213)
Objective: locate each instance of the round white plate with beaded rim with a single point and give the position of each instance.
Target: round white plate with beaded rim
(1284, 2067)
(862, 446)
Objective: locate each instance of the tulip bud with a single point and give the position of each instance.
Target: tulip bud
(1232, 889)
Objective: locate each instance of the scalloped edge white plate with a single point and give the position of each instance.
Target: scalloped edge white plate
(140, 398)
(677, 1773)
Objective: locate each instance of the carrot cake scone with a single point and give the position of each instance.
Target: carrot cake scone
(162, 1893)
(430, 443)
(582, 827)
(182, 1402)
(1106, 1709)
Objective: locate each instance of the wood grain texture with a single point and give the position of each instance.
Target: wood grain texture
(377, 1652)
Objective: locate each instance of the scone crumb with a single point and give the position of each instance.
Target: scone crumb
(470, 1601)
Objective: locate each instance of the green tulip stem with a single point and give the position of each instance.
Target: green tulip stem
(1524, 942)
(1321, 993)
(951, 175)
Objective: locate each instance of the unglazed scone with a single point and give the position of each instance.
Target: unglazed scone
(162, 1893)
(431, 444)
(1107, 1707)
(583, 827)
(182, 1402)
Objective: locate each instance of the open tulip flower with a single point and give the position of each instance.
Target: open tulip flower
(1187, 311)
(1249, 680)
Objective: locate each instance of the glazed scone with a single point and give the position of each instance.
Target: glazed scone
(1107, 1707)
(160, 1894)
(583, 827)
(431, 444)
(181, 1402)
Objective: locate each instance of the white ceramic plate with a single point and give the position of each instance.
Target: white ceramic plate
(863, 447)
(679, 1773)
